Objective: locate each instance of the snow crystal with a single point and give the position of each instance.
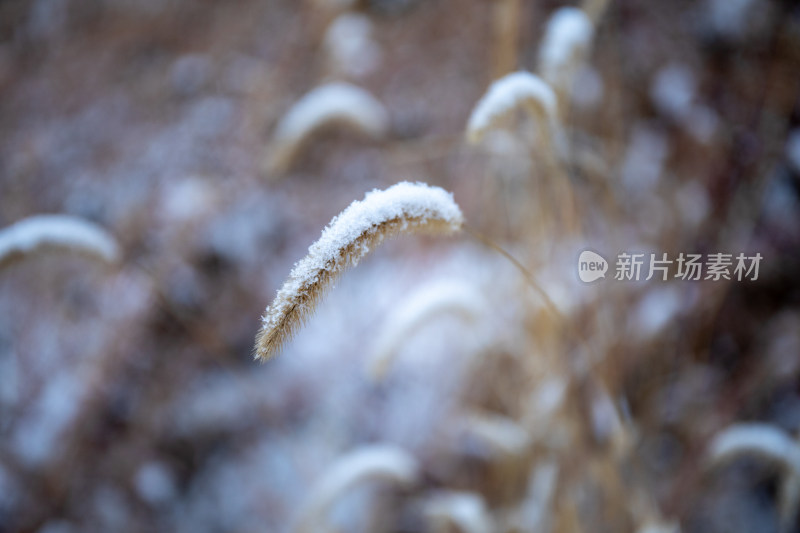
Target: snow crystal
(566, 41)
(61, 231)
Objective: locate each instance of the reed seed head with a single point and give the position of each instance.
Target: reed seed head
(403, 208)
(755, 438)
(332, 103)
(40, 233)
(518, 90)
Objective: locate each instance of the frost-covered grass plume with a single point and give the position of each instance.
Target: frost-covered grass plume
(40, 233)
(518, 90)
(769, 442)
(402, 208)
(332, 103)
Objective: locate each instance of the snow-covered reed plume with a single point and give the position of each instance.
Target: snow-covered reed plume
(565, 46)
(402, 208)
(518, 90)
(464, 510)
(424, 304)
(332, 103)
(56, 232)
(770, 442)
(374, 462)
(760, 439)
(349, 44)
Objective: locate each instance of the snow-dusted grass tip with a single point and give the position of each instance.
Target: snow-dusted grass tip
(374, 462)
(435, 298)
(518, 90)
(769, 442)
(402, 208)
(763, 440)
(41, 233)
(332, 103)
(565, 46)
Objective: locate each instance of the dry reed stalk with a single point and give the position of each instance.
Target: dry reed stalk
(505, 36)
(374, 462)
(40, 233)
(402, 208)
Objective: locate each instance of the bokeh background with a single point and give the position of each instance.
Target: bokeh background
(129, 400)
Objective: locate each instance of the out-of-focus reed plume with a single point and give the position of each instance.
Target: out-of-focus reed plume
(332, 103)
(374, 462)
(42, 233)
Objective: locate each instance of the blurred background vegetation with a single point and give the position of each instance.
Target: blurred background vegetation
(128, 396)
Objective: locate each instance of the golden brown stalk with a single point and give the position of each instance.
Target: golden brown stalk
(505, 22)
(402, 208)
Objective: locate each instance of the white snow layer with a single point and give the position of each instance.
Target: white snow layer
(57, 231)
